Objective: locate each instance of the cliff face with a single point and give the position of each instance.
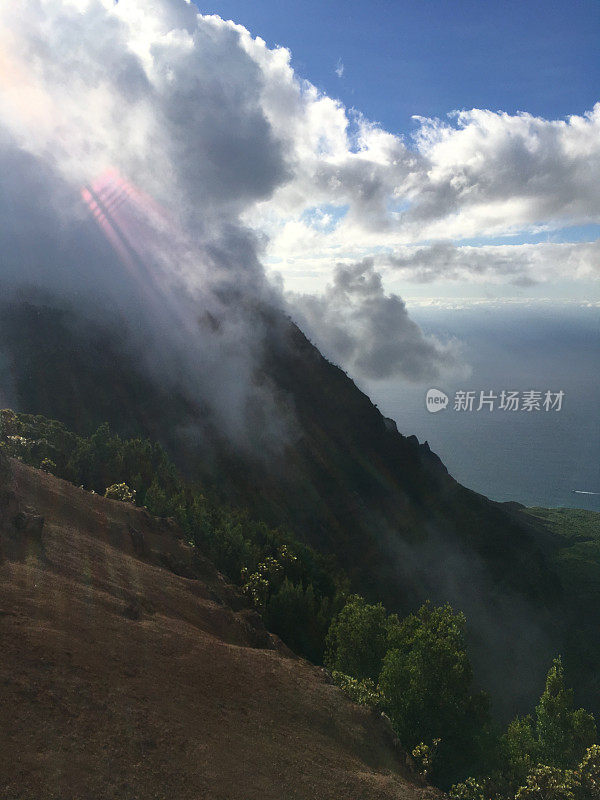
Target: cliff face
(345, 480)
(131, 669)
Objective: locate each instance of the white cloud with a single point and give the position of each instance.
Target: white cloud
(254, 163)
(156, 115)
(523, 265)
(492, 172)
(339, 68)
(356, 323)
(480, 173)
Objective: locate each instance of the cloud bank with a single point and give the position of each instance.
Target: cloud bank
(154, 160)
(479, 173)
(359, 325)
(131, 137)
(523, 265)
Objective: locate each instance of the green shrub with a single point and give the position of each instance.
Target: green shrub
(549, 783)
(589, 773)
(428, 682)
(48, 465)
(549, 757)
(120, 491)
(363, 691)
(423, 756)
(563, 733)
(256, 589)
(358, 639)
(468, 790)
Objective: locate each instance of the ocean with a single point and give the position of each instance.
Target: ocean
(538, 458)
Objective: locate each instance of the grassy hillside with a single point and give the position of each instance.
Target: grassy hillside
(131, 669)
(577, 562)
(578, 558)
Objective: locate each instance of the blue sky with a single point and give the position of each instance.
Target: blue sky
(402, 58)
(428, 59)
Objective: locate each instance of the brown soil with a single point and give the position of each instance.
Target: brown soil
(130, 669)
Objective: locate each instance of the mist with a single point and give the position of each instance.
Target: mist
(133, 139)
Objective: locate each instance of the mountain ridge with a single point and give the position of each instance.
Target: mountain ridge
(345, 481)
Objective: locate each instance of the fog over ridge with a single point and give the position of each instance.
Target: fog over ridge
(210, 150)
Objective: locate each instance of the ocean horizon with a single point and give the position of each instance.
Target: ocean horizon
(538, 458)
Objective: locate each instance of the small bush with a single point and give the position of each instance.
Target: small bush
(120, 491)
(256, 589)
(549, 783)
(468, 790)
(423, 756)
(48, 466)
(363, 691)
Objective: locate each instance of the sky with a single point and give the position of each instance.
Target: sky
(398, 58)
(392, 61)
(359, 165)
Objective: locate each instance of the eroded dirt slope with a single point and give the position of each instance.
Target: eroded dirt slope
(130, 669)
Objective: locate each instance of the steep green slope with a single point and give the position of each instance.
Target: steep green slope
(344, 481)
(578, 558)
(577, 562)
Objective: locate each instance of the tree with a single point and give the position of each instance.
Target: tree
(156, 500)
(549, 758)
(295, 614)
(563, 733)
(428, 682)
(97, 461)
(546, 782)
(357, 639)
(549, 783)
(520, 748)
